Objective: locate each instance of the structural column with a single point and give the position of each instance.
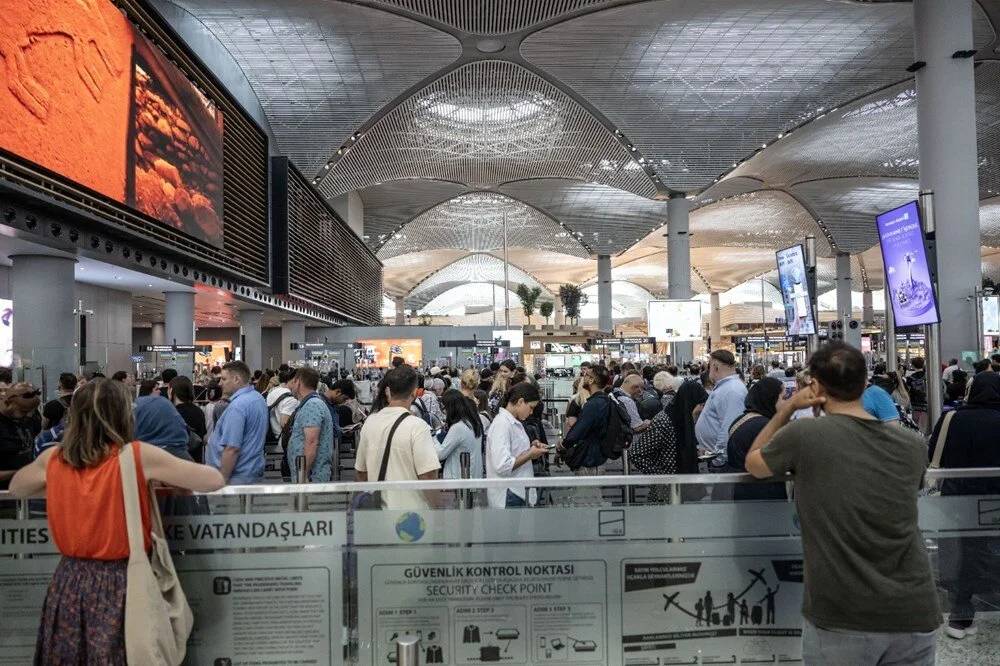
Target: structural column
(158, 333)
(292, 331)
(715, 320)
(605, 322)
(179, 329)
(45, 327)
(844, 307)
(867, 308)
(559, 314)
(251, 323)
(679, 263)
(400, 311)
(946, 121)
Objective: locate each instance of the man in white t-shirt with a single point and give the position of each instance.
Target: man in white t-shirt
(281, 403)
(412, 455)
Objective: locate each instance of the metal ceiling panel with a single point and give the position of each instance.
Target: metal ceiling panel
(483, 124)
(321, 69)
(401, 274)
(475, 222)
(698, 86)
(475, 268)
(490, 17)
(389, 206)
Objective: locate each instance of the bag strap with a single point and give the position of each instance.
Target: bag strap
(942, 439)
(130, 491)
(290, 423)
(388, 446)
(740, 421)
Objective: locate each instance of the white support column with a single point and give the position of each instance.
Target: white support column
(946, 120)
(843, 286)
(679, 263)
(179, 328)
(715, 320)
(605, 322)
(45, 328)
(251, 323)
(158, 333)
(292, 331)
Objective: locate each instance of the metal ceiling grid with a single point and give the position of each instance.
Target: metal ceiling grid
(466, 298)
(607, 219)
(475, 222)
(475, 268)
(989, 222)
(483, 124)
(988, 127)
(764, 219)
(628, 301)
(848, 206)
(400, 274)
(552, 268)
(321, 69)
(490, 17)
(391, 205)
(707, 83)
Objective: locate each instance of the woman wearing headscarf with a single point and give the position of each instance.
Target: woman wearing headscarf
(760, 406)
(690, 396)
(968, 438)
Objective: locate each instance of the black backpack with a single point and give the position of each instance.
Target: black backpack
(618, 436)
(270, 438)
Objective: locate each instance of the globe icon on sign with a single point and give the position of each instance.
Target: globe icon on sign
(410, 527)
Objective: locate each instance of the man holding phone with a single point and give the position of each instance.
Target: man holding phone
(869, 593)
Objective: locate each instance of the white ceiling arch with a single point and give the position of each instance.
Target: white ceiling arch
(474, 268)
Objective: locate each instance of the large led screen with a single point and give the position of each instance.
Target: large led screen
(799, 318)
(907, 275)
(674, 320)
(6, 332)
(379, 353)
(88, 97)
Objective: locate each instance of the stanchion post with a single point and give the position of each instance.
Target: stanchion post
(407, 650)
(932, 334)
(464, 495)
(300, 477)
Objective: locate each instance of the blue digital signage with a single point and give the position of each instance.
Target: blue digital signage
(907, 273)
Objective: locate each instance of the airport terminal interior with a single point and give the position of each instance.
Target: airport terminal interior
(530, 332)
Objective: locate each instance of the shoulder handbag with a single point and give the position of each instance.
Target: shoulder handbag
(934, 487)
(158, 620)
(374, 500)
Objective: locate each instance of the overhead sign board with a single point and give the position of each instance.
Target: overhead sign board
(625, 340)
(676, 320)
(179, 349)
(478, 344)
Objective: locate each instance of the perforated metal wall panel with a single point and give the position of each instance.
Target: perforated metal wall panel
(490, 17)
(317, 258)
(486, 123)
(321, 69)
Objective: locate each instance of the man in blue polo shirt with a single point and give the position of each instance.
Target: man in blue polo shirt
(236, 446)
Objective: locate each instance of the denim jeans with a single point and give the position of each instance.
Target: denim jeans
(841, 647)
(515, 502)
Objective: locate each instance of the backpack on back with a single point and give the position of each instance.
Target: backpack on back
(618, 435)
(272, 438)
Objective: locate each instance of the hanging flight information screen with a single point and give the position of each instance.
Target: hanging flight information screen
(795, 294)
(907, 273)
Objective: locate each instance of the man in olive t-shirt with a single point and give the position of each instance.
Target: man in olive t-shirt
(869, 594)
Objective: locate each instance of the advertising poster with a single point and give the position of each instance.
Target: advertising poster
(379, 353)
(907, 274)
(674, 320)
(6, 332)
(514, 336)
(991, 316)
(91, 99)
(795, 291)
(721, 610)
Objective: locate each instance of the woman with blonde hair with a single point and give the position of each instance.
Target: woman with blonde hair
(83, 618)
(575, 405)
(469, 382)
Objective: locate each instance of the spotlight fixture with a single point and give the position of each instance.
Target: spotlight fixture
(10, 214)
(31, 221)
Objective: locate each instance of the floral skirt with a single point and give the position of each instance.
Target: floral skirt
(83, 620)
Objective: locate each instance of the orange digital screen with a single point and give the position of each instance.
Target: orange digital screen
(87, 96)
(379, 353)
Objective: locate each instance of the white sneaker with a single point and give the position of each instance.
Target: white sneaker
(956, 630)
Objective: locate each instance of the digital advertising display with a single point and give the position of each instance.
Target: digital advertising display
(6, 332)
(991, 315)
(674, 320)
(88, 97)
(514, 336)
(907, 274)
(379, 353)
(795, 295)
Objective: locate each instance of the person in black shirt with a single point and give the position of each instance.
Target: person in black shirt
(54, 410)
(181, 393)
(17, 403)
(761, 405)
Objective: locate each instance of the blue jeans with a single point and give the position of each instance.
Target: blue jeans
(841, 647)
(515, 502)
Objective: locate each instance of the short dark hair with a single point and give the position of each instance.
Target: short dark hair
(397, 361)
(775, 363)
(648, 372)
(981, 365)
(599, 377)
(119, 376)
(401, 382)
(345, 386)
(67, 381)
(995, 358)
(524, 391)
(494, 366)
(168, 375)
(724, 356)
(285, 372)
(236, 367)
(790, 372)
(917, 363)
(6, 375)
(183, 388)
(216, 370)
(841, 369)
(953, 361)
(509, 364)
(146, 387)
(308, 376)
(482, 400)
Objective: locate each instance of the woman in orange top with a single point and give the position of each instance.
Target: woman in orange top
(83, 620)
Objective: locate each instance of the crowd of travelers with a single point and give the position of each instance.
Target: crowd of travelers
(836, 413)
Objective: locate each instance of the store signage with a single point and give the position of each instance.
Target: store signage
(625, 340)
(477, 344)
(180, 349)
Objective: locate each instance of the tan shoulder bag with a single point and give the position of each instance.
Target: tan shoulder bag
(158, 620)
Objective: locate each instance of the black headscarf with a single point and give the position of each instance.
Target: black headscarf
(985, 392)
(689, 395)
(763, 396)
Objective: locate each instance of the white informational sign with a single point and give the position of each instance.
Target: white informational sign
(991, 315)
(6, 332)
(514, 336)
(795, 291)
(674, 320)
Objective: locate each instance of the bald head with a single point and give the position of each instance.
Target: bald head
(633, 385)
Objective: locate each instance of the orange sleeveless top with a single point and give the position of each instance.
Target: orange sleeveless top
(86, 507)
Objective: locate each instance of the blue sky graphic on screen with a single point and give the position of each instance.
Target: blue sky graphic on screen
(795, 291)
(907, 275)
